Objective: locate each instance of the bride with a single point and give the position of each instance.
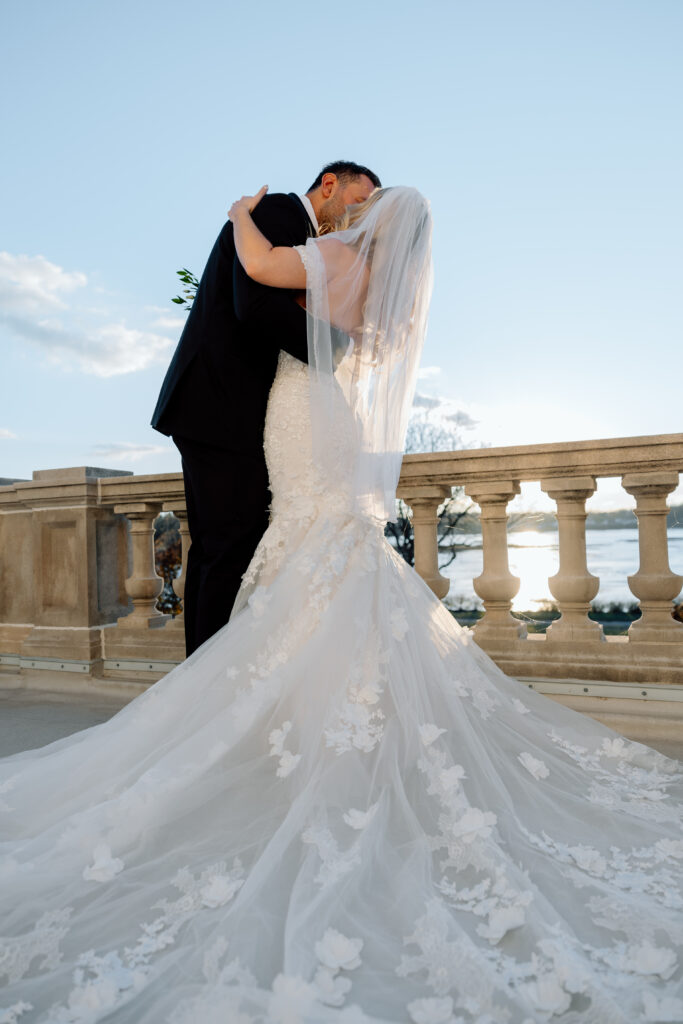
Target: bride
(339, 809)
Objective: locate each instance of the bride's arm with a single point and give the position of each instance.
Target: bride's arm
(276, 266)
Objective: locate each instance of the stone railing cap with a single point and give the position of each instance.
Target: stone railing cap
(77, 474)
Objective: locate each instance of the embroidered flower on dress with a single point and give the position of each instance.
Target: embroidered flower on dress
(451, 777)
(288, 760)
(338, 952)
(287, 763)
(221, 888)
(291, 999)
(277, 738)
(637, 785)
(539, 769)
(359, 819)
(450, 965)
(335, 863)
(547, 993)
(617, 747)
(670, 847)
(18, 953)
(98, 984)
(430, 732)
(332, 990)
(501, 920)
(588, 859)
(474, 824)
(104, 866)
(356, 726)
(645, 958)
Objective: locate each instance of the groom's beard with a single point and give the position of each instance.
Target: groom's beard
(330, 212)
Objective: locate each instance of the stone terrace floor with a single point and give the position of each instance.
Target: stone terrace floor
(32, 718)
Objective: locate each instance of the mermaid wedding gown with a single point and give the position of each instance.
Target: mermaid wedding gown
(339, 810)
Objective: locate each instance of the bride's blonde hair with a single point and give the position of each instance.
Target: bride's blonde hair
(354, 213)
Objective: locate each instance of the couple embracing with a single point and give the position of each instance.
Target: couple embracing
(338, 809)
(213, 399)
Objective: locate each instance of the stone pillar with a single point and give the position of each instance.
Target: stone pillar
(60, 557)
(655, 585)
(17, 612)
(496, 585)
(573, 586)
(424, 502)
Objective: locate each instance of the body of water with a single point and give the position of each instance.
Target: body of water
(534, 556)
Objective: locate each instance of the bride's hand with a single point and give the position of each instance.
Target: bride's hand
(246, 204)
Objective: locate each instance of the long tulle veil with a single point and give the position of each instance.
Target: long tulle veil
(367, 297)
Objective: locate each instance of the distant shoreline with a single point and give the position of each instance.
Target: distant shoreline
(619, 519)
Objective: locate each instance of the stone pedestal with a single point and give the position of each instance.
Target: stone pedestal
(61, 558)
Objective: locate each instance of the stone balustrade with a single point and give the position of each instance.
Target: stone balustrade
(78, 586)
(574, 646)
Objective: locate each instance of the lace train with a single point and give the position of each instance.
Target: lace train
(339, 809)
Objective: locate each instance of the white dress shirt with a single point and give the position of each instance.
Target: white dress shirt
(310, 211)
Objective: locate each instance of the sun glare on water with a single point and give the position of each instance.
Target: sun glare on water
(533, 557)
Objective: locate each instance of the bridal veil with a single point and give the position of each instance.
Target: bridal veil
(367, 297)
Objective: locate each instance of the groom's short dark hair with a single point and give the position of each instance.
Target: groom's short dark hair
(345, 169)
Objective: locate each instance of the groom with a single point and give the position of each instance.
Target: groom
(214, 395)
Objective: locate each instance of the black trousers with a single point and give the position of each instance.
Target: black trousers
(227, 514)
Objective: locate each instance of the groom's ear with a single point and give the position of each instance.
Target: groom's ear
(328, 185)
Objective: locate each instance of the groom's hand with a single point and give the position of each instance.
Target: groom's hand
(246, 203)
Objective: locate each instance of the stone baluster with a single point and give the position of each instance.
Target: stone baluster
(143, 585)
(424, 501)
(496, 585)
(573, 586)
(655, 585)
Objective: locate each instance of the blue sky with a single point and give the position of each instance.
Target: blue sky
(545, 132)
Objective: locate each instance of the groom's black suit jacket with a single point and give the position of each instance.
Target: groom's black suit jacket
(216, 387)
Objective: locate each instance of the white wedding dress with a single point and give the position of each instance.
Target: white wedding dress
(339, 810)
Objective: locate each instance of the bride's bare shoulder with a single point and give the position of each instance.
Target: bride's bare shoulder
(338, 255)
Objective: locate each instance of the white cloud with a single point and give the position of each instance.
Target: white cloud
(128, 451)
(427, 372)
(170, 321)
(444, 410)
(461, 419)
(6, 435)
(173, 319)
(32, 282)
(32, 292)
(425, 402)
(118, 349)
(102, 352)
